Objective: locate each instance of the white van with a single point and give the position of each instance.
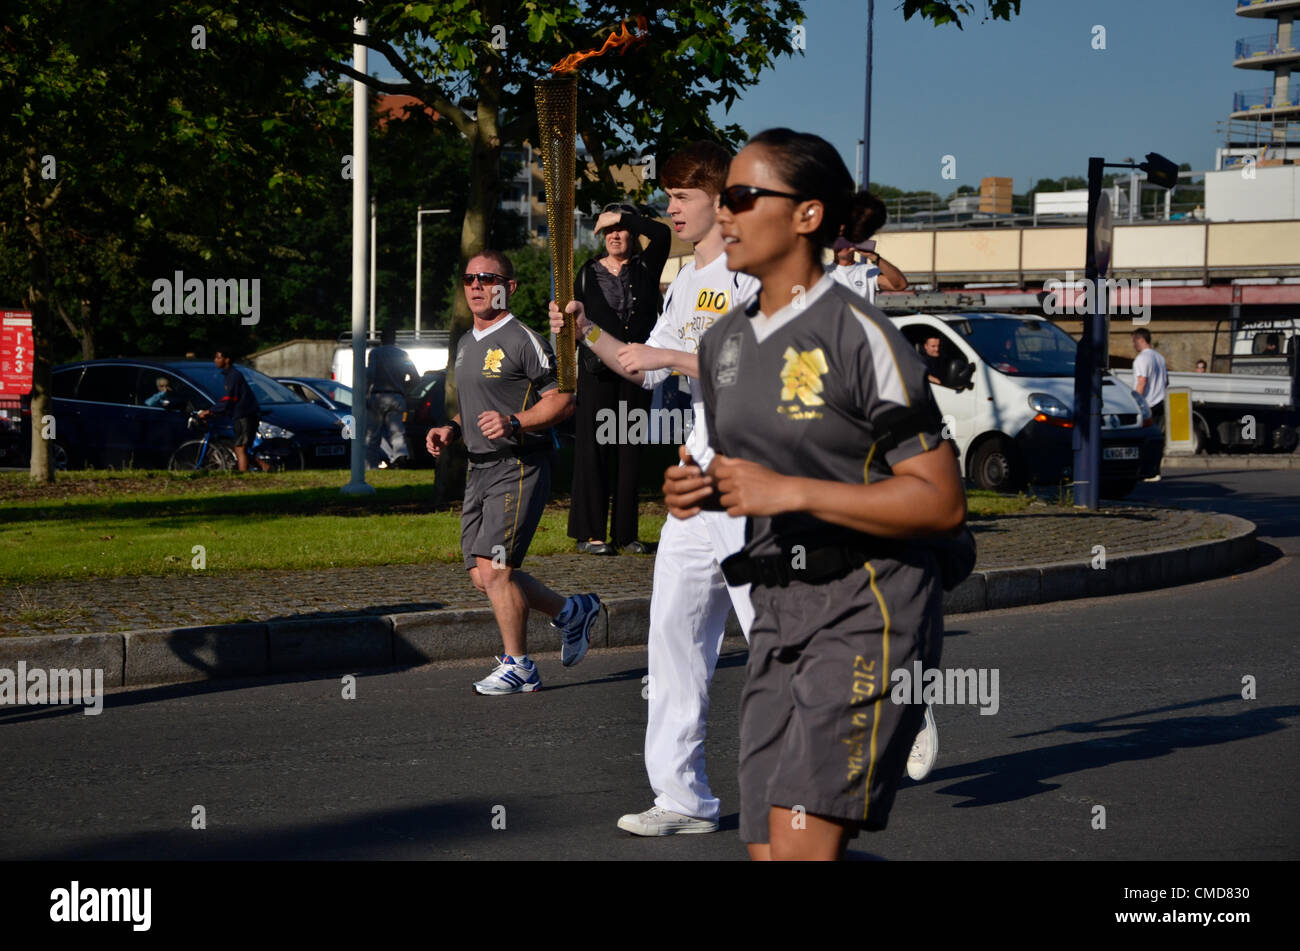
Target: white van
(1008, 403)
(428, 352)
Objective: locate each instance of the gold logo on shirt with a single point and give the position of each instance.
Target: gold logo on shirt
(492, 362)
(801, 378)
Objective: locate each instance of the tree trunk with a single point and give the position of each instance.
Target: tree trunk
(480, 209)
(89, 316)
(38, 302)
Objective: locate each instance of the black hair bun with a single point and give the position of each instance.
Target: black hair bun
(867, 215)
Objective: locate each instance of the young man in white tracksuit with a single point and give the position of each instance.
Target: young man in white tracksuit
(690, 599)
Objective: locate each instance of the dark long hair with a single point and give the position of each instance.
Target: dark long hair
(812, 167)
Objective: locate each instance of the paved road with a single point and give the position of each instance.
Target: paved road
(1131, 703)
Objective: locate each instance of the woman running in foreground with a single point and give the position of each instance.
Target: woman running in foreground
(822, 430)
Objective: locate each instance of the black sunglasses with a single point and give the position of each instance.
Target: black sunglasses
(620, 207)
(740, 198)
(483, 277)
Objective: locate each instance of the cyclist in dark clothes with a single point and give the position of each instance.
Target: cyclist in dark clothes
(240, 405)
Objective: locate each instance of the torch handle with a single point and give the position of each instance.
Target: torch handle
(557, 105)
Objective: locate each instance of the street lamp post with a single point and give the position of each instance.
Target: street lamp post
(866, 115)
(1092, 359)
(419, 257)
(374, 221)
(360, 171)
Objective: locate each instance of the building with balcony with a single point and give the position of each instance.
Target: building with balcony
(1264, 125)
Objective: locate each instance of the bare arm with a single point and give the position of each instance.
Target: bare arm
(924, 497)
(891, 278)
(553, 407)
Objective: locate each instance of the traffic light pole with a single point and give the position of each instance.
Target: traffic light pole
(1090, 363)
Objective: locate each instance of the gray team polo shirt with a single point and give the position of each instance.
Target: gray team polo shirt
(505, 368)
(803, 393)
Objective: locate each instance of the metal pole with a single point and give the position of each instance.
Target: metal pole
(866, 114)
(419, 257)
(374, 217)
(529, 147)
(1087, 367)
(857, 167)
(360, 170)
(419, 266)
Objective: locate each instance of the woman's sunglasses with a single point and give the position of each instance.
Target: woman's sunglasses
(740, 198)
(485, 278)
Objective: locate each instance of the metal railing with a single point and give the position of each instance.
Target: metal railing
(1263, 45)
(1251, 99)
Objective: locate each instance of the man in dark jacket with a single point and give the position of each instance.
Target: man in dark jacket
(389, 373)
(620, 292)
(240, 406)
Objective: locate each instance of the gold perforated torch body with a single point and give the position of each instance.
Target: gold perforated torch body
(557, 124)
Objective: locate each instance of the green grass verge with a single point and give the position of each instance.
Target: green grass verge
(107, 524)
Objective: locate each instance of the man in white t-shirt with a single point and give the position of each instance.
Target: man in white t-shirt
(690, 599)
(1150, 379)
(873, 273)
(1150, 375)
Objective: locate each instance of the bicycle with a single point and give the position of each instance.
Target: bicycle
(207, 453)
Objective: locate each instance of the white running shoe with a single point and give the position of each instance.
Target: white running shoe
(510, 677)
(925, 749)
(659, 821)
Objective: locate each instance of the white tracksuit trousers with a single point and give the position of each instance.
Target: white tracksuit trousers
(688, 612)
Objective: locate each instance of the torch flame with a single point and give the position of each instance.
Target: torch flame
(619, 40)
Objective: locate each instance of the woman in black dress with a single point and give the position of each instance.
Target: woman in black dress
(620, 292)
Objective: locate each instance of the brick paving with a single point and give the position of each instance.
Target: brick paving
(1034, 538)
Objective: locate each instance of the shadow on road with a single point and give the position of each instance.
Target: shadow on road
(1000, 779)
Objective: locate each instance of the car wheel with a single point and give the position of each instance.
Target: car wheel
(1201, 436)
(995, 466)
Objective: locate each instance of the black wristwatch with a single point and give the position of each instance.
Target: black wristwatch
(514, 425)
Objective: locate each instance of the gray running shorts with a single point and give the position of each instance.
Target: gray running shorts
(818, 728)
(503, 505)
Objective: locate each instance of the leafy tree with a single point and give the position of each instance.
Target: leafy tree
(941, 13)
(134, 152)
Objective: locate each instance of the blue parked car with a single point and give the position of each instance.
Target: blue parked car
(135, 412)
(327, 394)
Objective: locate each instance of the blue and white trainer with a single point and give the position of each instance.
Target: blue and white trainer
(574, 623)
(510, 676)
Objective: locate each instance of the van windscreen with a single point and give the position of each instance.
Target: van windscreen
(1019, 346)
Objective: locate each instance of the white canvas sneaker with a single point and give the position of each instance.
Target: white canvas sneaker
(926, 748)
(660, 821)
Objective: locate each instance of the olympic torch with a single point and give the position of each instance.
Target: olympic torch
(557, 126)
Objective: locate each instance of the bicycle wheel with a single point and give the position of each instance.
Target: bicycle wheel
(200, 454)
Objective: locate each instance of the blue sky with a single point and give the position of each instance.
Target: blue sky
(1027, 99)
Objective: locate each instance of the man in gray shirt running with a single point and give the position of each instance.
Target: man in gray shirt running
(508, 400)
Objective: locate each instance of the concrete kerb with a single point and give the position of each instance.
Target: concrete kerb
(1231, 462)
(106, 652)
(178, 655)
